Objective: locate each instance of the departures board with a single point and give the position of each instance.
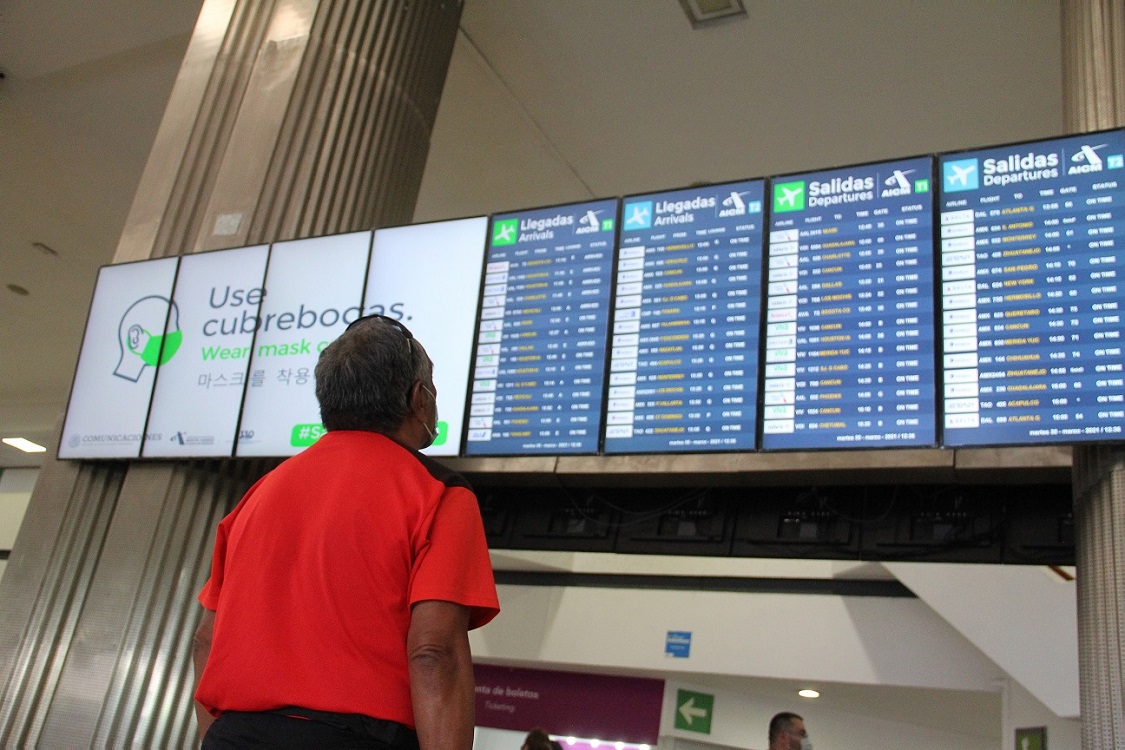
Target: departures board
(683, 364)
(539, 356)
(1031, 292)
(849, 351)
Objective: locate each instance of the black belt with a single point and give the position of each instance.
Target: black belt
(391, 733)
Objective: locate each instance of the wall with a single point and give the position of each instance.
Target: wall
(1010, 612)
(919, 670)
(858, 640)
(1023, 710)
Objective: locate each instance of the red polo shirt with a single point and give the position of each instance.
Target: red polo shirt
(315, 571)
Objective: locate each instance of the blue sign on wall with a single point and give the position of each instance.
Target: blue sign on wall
(678, 644)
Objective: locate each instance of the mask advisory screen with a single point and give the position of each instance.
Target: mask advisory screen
(125, 342)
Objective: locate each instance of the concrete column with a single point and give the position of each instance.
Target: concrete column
(1094, 91)
(289, 118)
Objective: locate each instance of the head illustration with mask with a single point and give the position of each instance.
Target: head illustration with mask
(787, 732)
(148, 335)
(377, 377)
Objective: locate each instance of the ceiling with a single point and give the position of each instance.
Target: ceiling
(545, 102)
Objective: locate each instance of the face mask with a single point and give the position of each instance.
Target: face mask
(806, 743)
(431, 434)
(156, 349)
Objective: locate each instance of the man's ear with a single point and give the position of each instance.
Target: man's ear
(418, 398)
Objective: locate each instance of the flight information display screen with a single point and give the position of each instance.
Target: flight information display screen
(684, 357)
(849, 352)
(539, 357)
(437, 306)
(198, 393)
(133, 329)
(1032, 292)
(313, 289)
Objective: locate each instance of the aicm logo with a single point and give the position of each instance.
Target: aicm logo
(1087, 159)
(638, 215)
(590, 223)
(900, 184)
(963, 174)
(789, 196)
(736, 204)
(505, 232)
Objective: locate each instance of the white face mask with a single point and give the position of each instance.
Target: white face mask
(431, 433)
(806, 743)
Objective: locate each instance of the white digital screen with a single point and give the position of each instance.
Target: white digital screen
(313, 290)
(121, 350)
(428, 276)
(199, 392)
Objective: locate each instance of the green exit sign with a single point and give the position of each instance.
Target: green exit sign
(694, 711)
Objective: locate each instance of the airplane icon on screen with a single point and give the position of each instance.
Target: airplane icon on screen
(789, 196)
(504, 233)
(640, 216)
(591, 219)
(961, 175)
(898, 177)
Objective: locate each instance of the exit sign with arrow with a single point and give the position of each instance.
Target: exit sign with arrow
(694, 711)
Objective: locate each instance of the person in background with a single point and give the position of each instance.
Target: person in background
(787, 732)
(538, 739)
(344, 583)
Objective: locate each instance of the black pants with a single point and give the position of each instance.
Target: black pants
(300, 728)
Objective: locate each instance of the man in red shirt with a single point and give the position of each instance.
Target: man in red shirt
(345, 582)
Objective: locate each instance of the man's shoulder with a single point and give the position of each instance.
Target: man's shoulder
(441, 472)
(360, 449)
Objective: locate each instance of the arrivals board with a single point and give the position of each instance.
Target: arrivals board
(849, 352)
(125, 343)
(313, 289)
(1031, 299)
(198, 393)
(683, 363)
(539, 357)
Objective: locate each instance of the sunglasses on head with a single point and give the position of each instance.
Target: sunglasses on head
(390, 321)
(396, 324)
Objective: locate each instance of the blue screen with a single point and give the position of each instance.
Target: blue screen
(539, 357)
(849, 352)
(1031, 292)
(684, 358)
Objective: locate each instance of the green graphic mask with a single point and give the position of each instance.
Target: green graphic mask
(140, 347)
(153, 354)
